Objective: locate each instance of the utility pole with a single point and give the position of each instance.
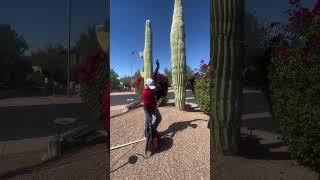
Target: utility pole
(69, 37)
(131, 69)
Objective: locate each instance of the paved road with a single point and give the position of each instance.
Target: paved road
(124, 99)
(22, 122)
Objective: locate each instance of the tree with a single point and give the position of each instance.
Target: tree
(87, 43)
(114, 81)
(225, 68)
(136, 75)
(256, 37)
(13, 67)
(126, 81)
(167, 71)
(53, 62)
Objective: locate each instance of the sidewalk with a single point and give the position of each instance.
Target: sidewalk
(17, 154)
(88, 163)
(42, 100)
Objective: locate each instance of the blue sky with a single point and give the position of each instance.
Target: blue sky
(45, 21)
(127, 29)
(127, 26)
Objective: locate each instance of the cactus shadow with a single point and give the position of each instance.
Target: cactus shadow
(188, 107)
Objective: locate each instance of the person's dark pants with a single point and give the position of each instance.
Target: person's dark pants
(148, 120)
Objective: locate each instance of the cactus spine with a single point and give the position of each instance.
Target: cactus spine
(226, 59)
(147, 52)
(178, 55)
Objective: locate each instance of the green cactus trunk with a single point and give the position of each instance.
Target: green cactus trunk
(178, 55)
(147, 52)
(226, 59)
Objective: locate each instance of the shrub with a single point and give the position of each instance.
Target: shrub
(294, 83)
(162, 84)
(92, 74)
(201, 87)
(138, 85)
(162, 101)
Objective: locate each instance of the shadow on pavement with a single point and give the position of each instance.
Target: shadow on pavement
(180, 126)
(165, 143)
(251, 148)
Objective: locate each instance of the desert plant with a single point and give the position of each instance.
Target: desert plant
(147, 53)
(201, 86)
(294, 82)
(226, 58)
(178, 55)
(92, 75)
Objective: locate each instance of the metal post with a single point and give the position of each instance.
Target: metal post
(131, 82)
(69, 37)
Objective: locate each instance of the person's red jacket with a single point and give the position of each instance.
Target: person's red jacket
(149, 98)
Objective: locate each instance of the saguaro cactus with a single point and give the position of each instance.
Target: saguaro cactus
(147, 52)
(226, 58)
(178, 55)
(102, 37)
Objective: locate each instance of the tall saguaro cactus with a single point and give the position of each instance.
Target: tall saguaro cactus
(178, 55)
(226, 59)
(147, 52)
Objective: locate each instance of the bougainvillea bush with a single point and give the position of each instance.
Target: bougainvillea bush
(162, 84)
(138, 86)
(294, 76)
(201, 87)
(95, 88)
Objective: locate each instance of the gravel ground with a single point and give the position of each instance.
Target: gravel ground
(184, 152)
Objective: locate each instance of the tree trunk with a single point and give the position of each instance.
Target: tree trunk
(226, 65)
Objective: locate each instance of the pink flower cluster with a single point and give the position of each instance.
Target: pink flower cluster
(138, 82)
(89, 68)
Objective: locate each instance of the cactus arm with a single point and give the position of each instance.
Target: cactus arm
(141, 73)
(102, 37)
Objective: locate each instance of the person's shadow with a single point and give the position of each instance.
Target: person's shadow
(180, 126)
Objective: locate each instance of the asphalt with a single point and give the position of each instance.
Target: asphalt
(21, 122)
